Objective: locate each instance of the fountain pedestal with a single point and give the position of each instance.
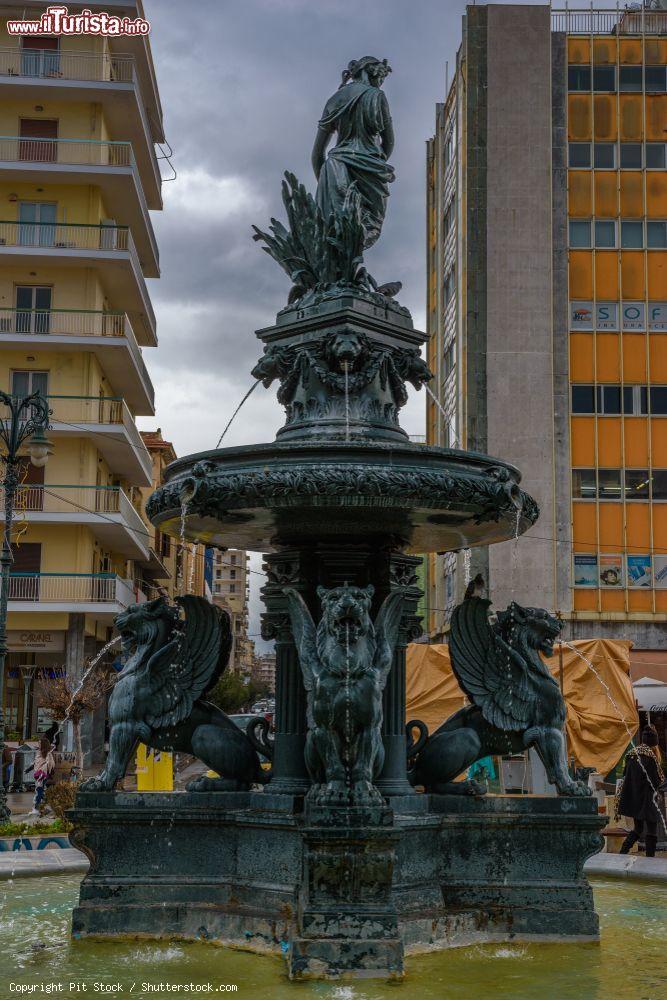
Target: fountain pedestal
(349, 899)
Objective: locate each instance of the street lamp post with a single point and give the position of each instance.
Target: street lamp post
(24, 422)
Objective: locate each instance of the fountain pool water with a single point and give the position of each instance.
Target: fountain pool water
(628, 962)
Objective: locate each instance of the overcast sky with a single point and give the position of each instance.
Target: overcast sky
(243, 83)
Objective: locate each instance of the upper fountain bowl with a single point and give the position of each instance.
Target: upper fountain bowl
(266, 497)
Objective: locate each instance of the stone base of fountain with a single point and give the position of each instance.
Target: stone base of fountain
(253, 870)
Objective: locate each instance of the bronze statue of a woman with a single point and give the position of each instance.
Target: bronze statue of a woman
(359, 113)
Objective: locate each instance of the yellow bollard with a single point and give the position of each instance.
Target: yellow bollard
(155, 770)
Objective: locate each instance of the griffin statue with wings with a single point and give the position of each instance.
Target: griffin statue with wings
(515, 702)
(345, 661)
(158, 698)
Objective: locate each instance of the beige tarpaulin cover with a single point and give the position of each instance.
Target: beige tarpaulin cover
(596, 736)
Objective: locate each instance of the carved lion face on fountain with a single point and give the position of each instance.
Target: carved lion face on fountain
(535, 628)
(346, 613)
(142, 624)
(345, 347)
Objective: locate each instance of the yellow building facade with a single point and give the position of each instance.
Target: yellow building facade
(547, 306)
(79, 119)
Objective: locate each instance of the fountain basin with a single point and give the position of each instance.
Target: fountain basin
(265, 497)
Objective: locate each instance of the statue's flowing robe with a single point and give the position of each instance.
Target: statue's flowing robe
(358, 113)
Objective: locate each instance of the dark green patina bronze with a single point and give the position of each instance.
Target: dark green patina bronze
(515, 702)
(158, 698)
(339, 862)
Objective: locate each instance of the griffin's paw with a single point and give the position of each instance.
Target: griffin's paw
(473, 787)
(205, 784)
(98, 783)
(364, 793)
(578, 788)
(335, 793)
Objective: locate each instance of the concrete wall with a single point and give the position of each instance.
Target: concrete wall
(519, 372)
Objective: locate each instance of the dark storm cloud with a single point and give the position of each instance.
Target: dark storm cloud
(243, 85)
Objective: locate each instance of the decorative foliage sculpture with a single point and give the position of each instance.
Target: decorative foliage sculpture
(516, 703)
(322, 250)
(345, 661)
(158, 697)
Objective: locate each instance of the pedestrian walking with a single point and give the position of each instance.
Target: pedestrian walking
(44, 767)
(638, 794)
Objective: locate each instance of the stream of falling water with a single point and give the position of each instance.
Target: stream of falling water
(466, 567)
(91, 666)
(612, 701)
(231, 419)
(346, 367)
(180, 578)
(348, 738)
(448, 422)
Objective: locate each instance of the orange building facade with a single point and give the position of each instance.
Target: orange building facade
(547, 306)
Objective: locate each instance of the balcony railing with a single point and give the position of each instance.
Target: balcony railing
(66, 322)
(59, 65)
(609, 21)
(70, 152)
(75, 323)
(65, 236)
(54, 499)
(73, 588)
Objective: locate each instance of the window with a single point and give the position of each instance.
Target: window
(583, 484)
(605, 234)
(40, 56)
(583, 399)
(449, 284)
(37, 223)
(632, 234)
(636, 484)
(232, 588)
(604, 155)
(604, 78)
(656, 79)
(656, 234)
(655, 155)
(25, 383)
(635, 400)
(579, 154)
(578, 78)
(609, 399)
(33, 304)
(659, 484)
(631, 155)
(38, 139)
(232, 559)
(232, 574)
(450, 146)
(658, 399)
(609, 484)
(580, 233)
(630, 79)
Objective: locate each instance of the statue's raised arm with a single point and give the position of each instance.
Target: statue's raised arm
(358, 114)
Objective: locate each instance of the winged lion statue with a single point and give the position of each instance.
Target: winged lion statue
(158, 698)
(345, 661)
(515, 702)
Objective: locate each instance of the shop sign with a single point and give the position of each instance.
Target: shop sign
(38, 640)
(585, 571)
(657, 316)
(606, 316)
(634, 316)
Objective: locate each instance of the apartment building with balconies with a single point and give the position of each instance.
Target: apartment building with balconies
(231, 591)
(79, 120)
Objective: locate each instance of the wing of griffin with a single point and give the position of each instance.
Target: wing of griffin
(494, 676)
(305, 639)
(190, 664)
(387, 625)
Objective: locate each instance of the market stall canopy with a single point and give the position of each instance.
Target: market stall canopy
(601, 710)
(650, 695)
